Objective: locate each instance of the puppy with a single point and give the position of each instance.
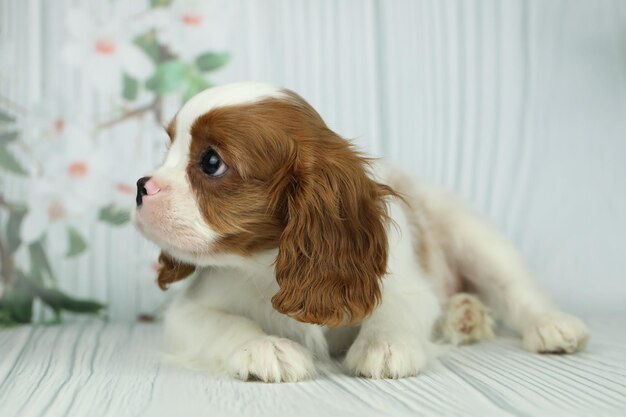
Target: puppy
(302, 248)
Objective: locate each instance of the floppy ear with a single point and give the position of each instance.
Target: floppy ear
(333, 250)
(171, 270)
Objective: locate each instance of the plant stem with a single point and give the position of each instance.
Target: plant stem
(6, 269)
(6, 260)
(158, 110)
(156, 107)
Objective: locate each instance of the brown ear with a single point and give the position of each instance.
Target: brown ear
(333, 250)
(171, 270)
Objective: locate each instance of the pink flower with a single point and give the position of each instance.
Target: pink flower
(191, 27)
(104, 53)
(71, 186)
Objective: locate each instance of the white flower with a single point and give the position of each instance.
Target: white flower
(47, 212)
(191, 27)
(80, 166)
(53, 213)
(43, 129)
(105, 52)
(72, 187)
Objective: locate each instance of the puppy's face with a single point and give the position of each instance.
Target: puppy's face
(210, 196)
(253, 168)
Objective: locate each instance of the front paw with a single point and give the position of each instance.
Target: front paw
(380, 358)
(271, 359)
(556, 333)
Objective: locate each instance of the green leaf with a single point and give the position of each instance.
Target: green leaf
(131, 87)
(57, 300)
(210, 61)
(167, 77)
(13, 229)
(77, 244)
(160, 3)
(113, 215)
(17, 304)
(6, 318)
(194, 86)
(6, 137)
(6, 117)
(147, 42)
(39, 263)
(8, 162)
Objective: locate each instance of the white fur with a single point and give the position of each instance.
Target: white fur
(394, 342)
(225, 321)
(271, 359)
(228, 309)
(555, 333)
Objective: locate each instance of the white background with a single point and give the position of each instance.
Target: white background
(520, 106)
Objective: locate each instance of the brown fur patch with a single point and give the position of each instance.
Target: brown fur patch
(295, 185)
(171, 270)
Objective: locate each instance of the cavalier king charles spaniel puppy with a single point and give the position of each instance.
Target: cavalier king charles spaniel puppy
(303, 248)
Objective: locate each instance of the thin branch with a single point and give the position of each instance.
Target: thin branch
(6, 269)
(152, 107)
(158, 110)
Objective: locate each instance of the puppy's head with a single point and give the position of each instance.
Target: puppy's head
(253, 168)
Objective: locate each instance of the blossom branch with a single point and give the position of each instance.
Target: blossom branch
(156, 107)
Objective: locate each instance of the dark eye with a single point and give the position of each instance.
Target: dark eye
(212, 164)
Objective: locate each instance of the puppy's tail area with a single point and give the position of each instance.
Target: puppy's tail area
(468, 252)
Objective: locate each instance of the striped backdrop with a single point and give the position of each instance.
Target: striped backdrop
(520, 106)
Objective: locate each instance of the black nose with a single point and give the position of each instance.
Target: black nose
(141, 189)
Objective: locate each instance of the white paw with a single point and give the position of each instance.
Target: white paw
(385, 359)
(271, 359)
(465, 320)
(556, 333)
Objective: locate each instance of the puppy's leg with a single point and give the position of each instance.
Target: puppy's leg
(492, 265)
(394, 341)
(204, 337)
(465, 320)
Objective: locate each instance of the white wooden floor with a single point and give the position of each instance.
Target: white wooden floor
(97, 369)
